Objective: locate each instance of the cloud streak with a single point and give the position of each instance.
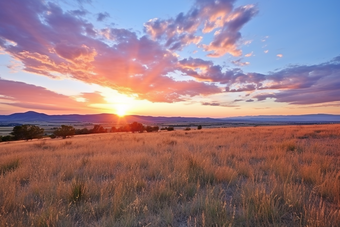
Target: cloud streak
(29, 96)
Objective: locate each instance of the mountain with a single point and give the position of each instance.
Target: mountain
(32, 117)
(288, 118)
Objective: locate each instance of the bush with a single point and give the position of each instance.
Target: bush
(170, 128)
(64, 131)
(113, 129)
(7, 138)
(137, 127)
(199, 127)
(27, 132)
(187, 129)
(152, 129)
(82, 131)
(98, 129)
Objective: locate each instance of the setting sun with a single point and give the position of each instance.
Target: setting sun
(121, 109)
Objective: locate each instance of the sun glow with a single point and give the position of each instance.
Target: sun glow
(121, 109)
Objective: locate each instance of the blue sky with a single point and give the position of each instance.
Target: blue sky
(217, 58)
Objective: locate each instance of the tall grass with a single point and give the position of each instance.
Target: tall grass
(252, 176)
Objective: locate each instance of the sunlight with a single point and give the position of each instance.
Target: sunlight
(121, 109)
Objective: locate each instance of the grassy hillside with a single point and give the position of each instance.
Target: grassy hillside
(253, 176)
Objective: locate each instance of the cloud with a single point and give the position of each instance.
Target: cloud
(93, 97)
(102, 16)
(266, 51)
(205, 16)
(279, 55)
(239, 63)
(305, 84)
(29, 96)
(51, 42)
(221, 104)
(211, 104)
(248, 87)
(249, 54)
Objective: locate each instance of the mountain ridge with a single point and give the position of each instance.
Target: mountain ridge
(32, 116)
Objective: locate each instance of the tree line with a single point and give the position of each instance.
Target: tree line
(29, 132)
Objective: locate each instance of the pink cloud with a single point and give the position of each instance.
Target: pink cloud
(29, 96)
(205, 16)
(239, 62)
(249, 54)
(93, 97)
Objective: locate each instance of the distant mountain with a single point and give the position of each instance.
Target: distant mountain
(288, 118)
(32, 117)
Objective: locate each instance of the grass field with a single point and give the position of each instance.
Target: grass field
(251, 176)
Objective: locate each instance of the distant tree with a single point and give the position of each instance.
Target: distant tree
(27, 132)
(98, 129)
(170, 128)
(187, 129)
(199, 127)
(148, 129)
(151, 128)
(113, 129)
(7, 138)
(136, 127)
(64, 131)
(82, 131)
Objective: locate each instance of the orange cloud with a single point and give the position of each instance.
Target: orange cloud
(249, 54)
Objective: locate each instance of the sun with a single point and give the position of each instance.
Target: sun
(121, 109)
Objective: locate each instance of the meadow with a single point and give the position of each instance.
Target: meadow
(248, 176)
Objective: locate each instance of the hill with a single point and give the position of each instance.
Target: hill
(32, 116)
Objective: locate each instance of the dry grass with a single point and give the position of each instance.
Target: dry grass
(263, 176)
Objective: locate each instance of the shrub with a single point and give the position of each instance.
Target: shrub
(152, 129)
(136, 127)
(82, 131)
(98, 129)
(187, 129)
(64, 131)
(27, 132)
(199, 127)
(170, 128)
(7, 138)
(113, 129)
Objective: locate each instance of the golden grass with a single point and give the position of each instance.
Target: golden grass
(253, 176)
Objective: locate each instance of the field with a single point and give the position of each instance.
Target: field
(250, 176)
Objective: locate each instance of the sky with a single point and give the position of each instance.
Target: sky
(198, 58)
